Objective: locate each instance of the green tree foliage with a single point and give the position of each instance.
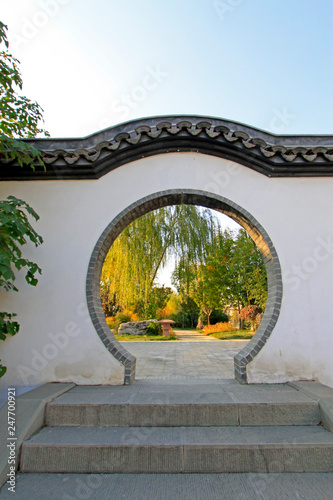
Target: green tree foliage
(218, 316)
(236, 268)
(183, 310)
(189, 311)
(204, 291)
(19, 119)
(160, 295)
(19, 116)
(257, 282)
(158, 299)
(15, 230)
(144, 247)
(233, 274)
(215, 269)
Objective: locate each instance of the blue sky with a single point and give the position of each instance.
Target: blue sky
(93, 64)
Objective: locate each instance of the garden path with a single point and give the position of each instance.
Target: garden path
(192, 336)
(189, 360)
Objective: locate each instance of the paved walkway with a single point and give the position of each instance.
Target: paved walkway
(286, 486)
(193, 336)
(194, 356)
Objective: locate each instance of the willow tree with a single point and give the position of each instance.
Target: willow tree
(179, 232)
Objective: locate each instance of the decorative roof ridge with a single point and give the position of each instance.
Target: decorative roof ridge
(132, 132)
(153, 135)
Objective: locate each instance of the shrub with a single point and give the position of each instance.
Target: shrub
(154, 328)
(163, 313)
(172, 335)
(218, 316)
(121, 317)
(111, 322)
(150, 311)
(253, 314)
(249, 313)
(218, 327)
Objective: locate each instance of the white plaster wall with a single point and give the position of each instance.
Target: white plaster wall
(57, 341)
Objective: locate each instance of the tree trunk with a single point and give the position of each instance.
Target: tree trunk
(241, 321)
(200, 324)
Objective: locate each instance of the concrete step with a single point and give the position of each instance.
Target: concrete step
(292, 486)
(186, 405)
(164, 415)
(179, 449)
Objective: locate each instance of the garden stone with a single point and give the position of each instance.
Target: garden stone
(134, 327)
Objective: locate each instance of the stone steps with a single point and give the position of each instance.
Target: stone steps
(179, 449)
(156, 427)
(183, 405)
(168, 415)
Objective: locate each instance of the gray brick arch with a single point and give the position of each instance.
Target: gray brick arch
(189, 197)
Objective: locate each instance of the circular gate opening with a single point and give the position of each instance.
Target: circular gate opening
(185, 197)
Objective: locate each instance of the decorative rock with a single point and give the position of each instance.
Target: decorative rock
(134, 327)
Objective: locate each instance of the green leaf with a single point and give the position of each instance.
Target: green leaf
(20, 117)
(7, 325)
(3, 370)
(15, 228)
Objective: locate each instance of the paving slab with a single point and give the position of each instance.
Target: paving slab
(186, 360)
(287, 486)
(192, 390)
(313, 389)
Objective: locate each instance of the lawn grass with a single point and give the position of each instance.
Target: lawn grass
(145, 337)
(235, 335)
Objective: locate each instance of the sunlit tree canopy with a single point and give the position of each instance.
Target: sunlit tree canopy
(214, 268)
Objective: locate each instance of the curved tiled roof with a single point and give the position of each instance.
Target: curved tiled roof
(97, 154)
